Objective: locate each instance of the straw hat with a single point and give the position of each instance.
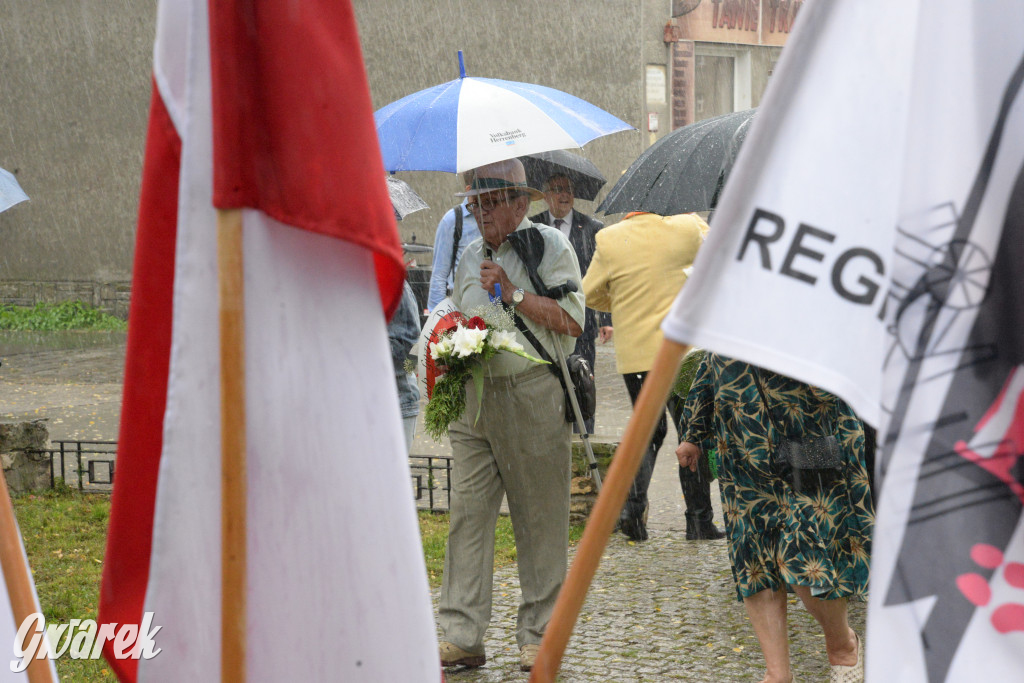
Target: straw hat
(501, 175)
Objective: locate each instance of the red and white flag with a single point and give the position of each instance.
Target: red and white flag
(265, 105)
(870, 241)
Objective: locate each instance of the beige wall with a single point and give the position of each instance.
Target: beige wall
(76, 85)
(74, 94)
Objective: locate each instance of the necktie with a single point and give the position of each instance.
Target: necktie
(559, 223)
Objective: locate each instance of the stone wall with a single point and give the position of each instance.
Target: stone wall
(24, 469)
(110, 297)
(582, 489)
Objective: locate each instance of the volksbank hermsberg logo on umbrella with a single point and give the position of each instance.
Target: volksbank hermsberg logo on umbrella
(82, 639)
(506, 137)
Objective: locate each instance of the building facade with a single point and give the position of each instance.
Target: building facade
(76, 89)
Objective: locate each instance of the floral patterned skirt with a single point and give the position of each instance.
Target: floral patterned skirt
(778, 537)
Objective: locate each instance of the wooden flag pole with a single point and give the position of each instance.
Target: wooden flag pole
(19, 582)
(233, 471)
(650, 406)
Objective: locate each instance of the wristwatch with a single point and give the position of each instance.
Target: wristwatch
(518, 296)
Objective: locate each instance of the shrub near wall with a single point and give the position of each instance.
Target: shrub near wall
(69, 315)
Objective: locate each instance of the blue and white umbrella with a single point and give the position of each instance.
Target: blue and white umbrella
(470, 122)
(10, 191)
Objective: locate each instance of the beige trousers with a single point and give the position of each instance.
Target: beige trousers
(519, 447)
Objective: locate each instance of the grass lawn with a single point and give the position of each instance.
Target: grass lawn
(65, 536)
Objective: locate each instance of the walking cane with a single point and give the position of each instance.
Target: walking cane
(580, 423)
(650, 406)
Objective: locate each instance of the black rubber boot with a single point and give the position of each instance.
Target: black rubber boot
(697, 492)
(633, 519)
(633, 528)
(702, 531)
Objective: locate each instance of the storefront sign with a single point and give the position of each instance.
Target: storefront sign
(745, 22)
(683, 68)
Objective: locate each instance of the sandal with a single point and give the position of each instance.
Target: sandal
(849, 674)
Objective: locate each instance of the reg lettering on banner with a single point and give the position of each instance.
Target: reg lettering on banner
(806, 254)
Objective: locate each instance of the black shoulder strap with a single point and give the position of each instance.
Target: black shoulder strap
(528, 244)
(764, 400)
(456, 236)
(553, 365)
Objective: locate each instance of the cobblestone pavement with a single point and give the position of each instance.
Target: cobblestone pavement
(663, 610)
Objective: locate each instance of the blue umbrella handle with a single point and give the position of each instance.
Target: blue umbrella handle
(497, 285)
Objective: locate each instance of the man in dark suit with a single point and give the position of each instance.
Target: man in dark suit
(559, 195)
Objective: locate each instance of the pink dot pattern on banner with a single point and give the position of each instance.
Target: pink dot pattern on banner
(975, 588)
(1008, 617)
(987, 556)
(1014, 574)
(1005, 618)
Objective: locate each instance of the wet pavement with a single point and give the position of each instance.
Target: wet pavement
(70, 379)
(662, 610)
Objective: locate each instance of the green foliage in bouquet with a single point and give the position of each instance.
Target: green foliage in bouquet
(448, 399)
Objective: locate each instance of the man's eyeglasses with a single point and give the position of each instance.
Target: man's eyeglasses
(492, 202)
(559, 189)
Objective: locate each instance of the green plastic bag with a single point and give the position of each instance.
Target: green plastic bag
(687, 371)
(713, 463)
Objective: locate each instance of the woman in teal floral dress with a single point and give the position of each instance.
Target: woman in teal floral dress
(817, 543)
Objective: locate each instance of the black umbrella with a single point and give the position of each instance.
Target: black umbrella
(683, 171)
(415, 247)
(586, 178)
(404, 199)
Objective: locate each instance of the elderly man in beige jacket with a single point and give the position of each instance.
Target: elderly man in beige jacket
(636, 273)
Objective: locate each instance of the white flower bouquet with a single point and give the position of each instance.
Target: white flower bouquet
(462, 351)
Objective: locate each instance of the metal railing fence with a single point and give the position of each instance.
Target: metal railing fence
(90, 466)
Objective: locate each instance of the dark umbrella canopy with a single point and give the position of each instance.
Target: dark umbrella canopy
(586, 178)
(415, 247)
(404, 199)
(684, 171)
